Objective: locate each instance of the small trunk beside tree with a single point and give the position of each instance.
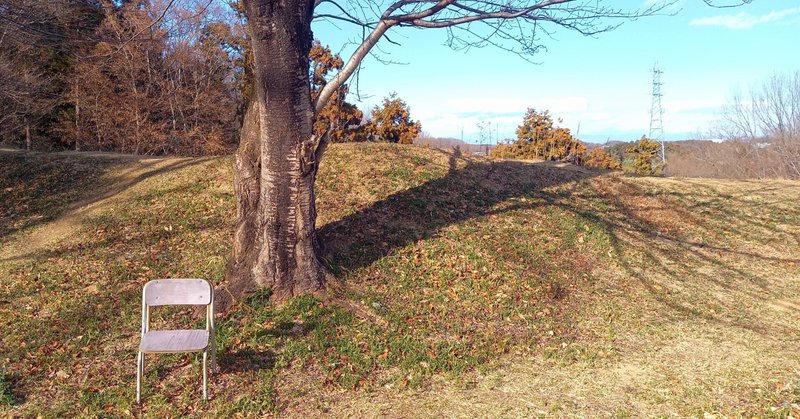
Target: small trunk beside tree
(27, 135)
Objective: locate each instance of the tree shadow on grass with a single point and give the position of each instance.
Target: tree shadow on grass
(10, 394)
(246, 360)
(690, 246)
(467, 192)
(698, 266)
(473, 189)
(249, 359)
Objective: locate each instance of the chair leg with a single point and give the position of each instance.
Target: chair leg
(205, 389)
(214, 355)
(139, 373)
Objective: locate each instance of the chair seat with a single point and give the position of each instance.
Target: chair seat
(172, 341)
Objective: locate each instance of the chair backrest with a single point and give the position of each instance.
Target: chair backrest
(160, 292)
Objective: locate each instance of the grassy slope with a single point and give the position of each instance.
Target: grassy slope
(474, 288)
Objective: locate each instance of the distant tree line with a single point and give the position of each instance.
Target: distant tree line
(137, 76)
(760, 133)
(538, 137)
(758, 137)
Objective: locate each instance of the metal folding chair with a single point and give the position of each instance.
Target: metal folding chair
(162, 292)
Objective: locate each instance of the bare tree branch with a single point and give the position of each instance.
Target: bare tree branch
(348, 17)
(351, 65)
(712, 3)
(136, 35)
(586, 17)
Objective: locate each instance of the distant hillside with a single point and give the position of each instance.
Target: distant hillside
(757, 159)
(451, 143)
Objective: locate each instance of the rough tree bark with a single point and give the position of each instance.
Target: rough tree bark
(275, 242)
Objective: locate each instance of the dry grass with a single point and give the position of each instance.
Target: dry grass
(475, 288)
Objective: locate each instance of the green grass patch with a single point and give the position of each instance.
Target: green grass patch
(6, 389)
(453, 265)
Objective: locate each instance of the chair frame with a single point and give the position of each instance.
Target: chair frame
(178, 300)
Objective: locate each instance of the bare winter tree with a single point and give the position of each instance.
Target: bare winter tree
(275, 243)
(155, 88)
(32, 49)
(147, 77)
(766, 125)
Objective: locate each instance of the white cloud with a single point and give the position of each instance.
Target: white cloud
(691, 104)
(743, 20)
(598, 121)
(450, 115)
(591, 118)
(453, 124)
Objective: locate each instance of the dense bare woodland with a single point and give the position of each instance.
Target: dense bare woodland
(132, 77)
(150, 77)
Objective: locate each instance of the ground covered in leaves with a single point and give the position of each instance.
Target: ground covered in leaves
(473, 288)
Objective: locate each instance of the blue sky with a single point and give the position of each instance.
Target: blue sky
(600, 86)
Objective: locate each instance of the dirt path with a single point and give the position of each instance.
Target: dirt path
(132, 170)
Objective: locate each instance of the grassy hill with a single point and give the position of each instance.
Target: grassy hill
(474, 288)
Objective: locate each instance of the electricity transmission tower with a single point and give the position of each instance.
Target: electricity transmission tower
(657, 112)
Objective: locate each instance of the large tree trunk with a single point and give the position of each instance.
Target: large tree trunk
(275, 241)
